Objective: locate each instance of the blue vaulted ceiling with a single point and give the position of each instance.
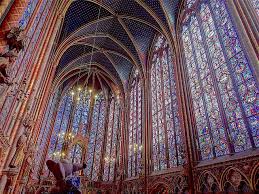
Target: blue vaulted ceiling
(121, 36)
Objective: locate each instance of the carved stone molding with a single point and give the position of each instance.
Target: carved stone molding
(4, 144)
(232, 176)
(15, 43)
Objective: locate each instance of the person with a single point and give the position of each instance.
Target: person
(61, 170)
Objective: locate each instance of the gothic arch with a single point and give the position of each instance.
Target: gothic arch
(255, 177)
(159, 187)
(234, 179)
(207, 180)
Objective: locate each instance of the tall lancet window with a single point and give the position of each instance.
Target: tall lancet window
(166, 132)
(96, 139)
(112, 141)
(135, 127)
(60, 127)
(45, 131)
(224, 90)
(82, 105)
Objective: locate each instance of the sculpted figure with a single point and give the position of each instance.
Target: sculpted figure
(19, 153)
(61, 170)
(15, 44)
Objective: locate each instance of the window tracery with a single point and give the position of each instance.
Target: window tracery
(112, 141)
(135, 127)
(223, 88)
(96, 139)
(167, 142)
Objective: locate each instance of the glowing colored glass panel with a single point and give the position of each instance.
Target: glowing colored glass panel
(255, 4)
(167, 142)
(111, 142)
(27, 13)
(96, 139)
(225, 105)
(76, 154)
(135, 128)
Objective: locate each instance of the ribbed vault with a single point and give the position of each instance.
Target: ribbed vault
(117, 41)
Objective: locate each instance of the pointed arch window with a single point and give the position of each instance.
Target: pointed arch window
(112, 141)
(224, 90)
(166, 132)
(45, 131)
(60, 127)
(135, 127)
(96, 139)
(82, 105)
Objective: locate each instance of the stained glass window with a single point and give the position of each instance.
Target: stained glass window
(96, 139)
(111, 141)
(75, 154)
(135, 127)
(45, 132)
(81, 103)
(255, 4)
(167, 150)
(27, 13)
(60, 127)
(22, 62)
(223, 88)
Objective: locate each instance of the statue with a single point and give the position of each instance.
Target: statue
(15, 44)
(19, 152)
(61, 170)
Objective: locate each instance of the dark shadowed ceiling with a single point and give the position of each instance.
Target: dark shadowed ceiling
(119, 40)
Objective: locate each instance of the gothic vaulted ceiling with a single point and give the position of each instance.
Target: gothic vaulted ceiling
(115, 35)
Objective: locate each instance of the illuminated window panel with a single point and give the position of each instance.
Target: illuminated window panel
(111, 142)
(255, 4)
(96, 139)
(167, 144)
(223, 88)
(135, 127)
(75, 154)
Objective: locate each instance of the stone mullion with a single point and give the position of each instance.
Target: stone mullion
(63, 113)
(126, 134)
(53, 120)
(132, 132)
(53, 100)
(191, 139)
(111, 135)
(96, 136)
(202, 91)
(164, 109)
(228, 65)
(247, 22)
(136, 122)
(186, 101)
(118, 134)
(69, 127)
(88, 127)
(214, 81)
(81, 124)
(106, 125)
(170, 66)
(156, 115)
